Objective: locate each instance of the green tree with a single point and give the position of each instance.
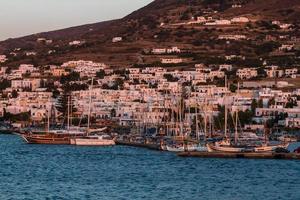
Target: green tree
(291, 103)
(4, 84)
(233, 88)
(63, 102)
(100, 74)
(73, 76)
(254, 105)
(170, 78)
(260, 103)
(14, 94)
(271, 102)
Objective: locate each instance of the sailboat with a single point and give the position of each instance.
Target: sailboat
(92, 139)
(226, 144)
(185, 144)
(266, 147)
(53, 137)
(177, 146)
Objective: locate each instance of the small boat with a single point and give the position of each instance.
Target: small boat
(197, 147)
(287, 138)
(93, 140)
(175, 148)
(269, 148)
(229, 149)
(189, 147)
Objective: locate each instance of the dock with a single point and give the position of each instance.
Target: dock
(283, 156)
(141, 145)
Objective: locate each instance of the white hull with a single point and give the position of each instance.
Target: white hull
(214, 148)
(188, 148)
(175, 149)
(197, 148)
(92, 142)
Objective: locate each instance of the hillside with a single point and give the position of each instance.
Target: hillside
(162, 24)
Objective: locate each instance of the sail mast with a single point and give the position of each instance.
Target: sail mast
(236, 119)
(90, 107)
(226, 110)
(197, 128)
(205, 119)
(68, 113)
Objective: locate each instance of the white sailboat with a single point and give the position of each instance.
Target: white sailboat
(92, 140)
(225, 145)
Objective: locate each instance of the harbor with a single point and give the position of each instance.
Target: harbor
(133, 172)
(160, 145)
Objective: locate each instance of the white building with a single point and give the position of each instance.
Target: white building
(76, 43)
(292, 122)
(246, 73)
(3, 58)
(32, 84)
(232, 37)
(274, 71)
(117, 39)
(290, 72)
(240, 20)
(171, 60)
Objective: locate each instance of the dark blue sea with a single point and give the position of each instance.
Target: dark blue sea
(36, 172)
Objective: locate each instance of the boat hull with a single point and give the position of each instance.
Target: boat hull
(214, 148)
(91, 142)
(269, 148)
(46, 140)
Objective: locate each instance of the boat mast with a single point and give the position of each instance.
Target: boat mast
(226, 111)
(236, 127)
(236, 119)
(90, 107)
(48, 121)
(197, 128)
(68, 113)
(181, 115)
(205, 119)
(164, 115)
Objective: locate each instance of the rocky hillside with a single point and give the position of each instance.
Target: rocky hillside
(167, 23)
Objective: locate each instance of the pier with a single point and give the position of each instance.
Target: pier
(140, 145)
(284, 156)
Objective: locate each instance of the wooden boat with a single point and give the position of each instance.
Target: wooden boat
(52, 137)
(46, 139)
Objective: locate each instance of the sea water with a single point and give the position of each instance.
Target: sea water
(69, 172)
